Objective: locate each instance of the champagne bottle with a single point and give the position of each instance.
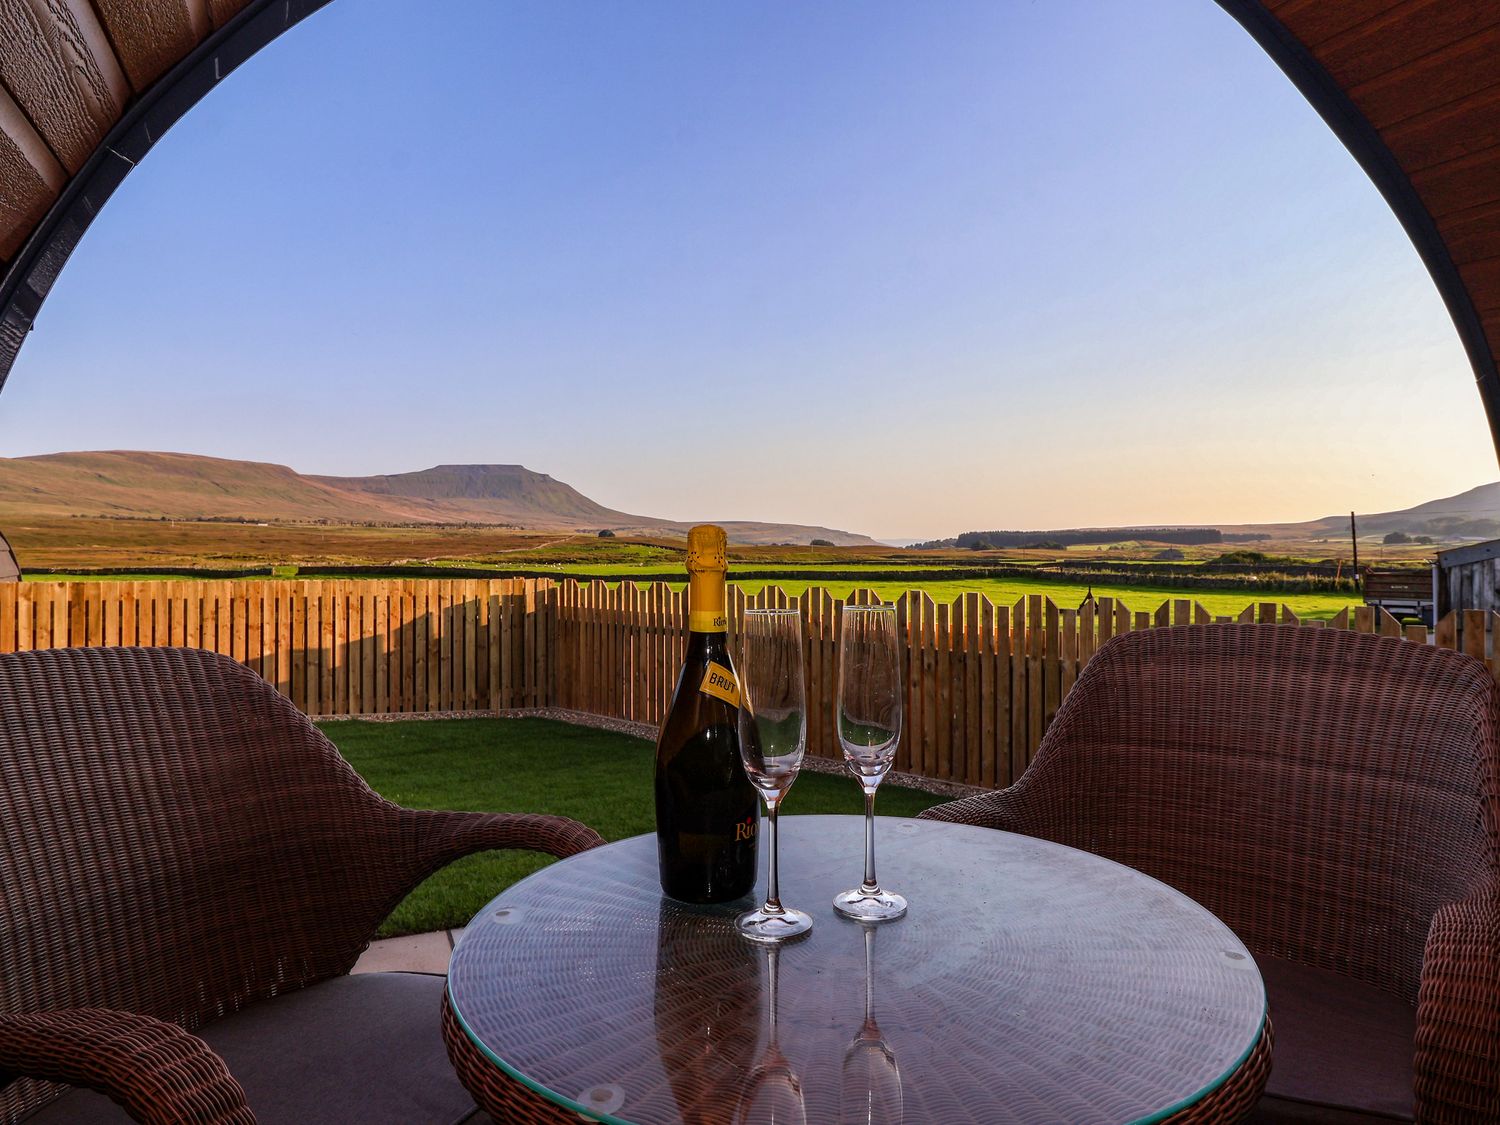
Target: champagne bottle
(707, 812)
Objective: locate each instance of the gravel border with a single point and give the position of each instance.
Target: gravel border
(648, 732)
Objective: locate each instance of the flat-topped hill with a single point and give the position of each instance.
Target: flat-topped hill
(182, 486)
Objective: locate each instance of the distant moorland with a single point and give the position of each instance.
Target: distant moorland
(150, 511)
(178, 486)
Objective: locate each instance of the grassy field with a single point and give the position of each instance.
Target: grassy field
(1006, 591)
(1001, 591)
(141, 544)
(304, 548)
(143, 577)
(533, 765)
(1067, 595)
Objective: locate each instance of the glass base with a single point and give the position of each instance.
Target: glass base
(761, 925)
(864, 906)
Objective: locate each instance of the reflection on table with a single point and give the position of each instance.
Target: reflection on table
(1029, 983)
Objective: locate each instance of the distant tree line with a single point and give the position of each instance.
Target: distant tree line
(1454, 527)
(980, 540)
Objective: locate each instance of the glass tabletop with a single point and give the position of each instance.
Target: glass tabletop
(1029, 982)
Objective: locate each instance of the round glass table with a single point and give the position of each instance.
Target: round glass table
(1030, 982)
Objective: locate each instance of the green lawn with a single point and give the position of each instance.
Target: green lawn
(534, 765)
(1006, 591)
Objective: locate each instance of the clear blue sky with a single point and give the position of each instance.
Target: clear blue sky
(902, 268)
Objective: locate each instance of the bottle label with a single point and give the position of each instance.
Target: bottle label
(708, 621)
(745, 829)
(719, 682)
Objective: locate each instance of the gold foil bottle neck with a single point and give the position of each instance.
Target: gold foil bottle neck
(707, 549)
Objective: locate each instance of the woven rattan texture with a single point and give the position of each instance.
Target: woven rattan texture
(1332, 796)
(179, 841)
(1029, 983)
(1234, 1100)
(502, 1097)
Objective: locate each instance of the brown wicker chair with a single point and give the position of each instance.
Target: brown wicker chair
(183, 851)
(1334, 798)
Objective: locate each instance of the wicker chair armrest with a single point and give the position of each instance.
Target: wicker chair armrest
(1000, 810)
(442, 837)
(1458, 1012)
(155, 1070)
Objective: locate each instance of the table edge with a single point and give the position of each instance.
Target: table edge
(545, 1092)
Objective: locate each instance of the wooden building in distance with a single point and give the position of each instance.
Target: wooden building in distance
(1467, 578)
(10, 571)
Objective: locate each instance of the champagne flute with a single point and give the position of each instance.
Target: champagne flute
(869, 721)
(773, 736)
(872, 1092)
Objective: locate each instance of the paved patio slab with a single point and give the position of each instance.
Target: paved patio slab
(414, 953)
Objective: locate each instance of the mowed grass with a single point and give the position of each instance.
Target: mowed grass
(1007, 591)
(534, 765)
(1001, 591)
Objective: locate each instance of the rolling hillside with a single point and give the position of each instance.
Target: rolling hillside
(139, 485)
(1470, 515)
(173, 485)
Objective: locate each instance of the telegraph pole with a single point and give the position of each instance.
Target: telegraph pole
(1354, 542)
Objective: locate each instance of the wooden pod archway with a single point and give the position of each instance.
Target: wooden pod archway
(87, 87)
(10, 570)
(1412, 87)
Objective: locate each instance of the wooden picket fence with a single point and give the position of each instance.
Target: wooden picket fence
(983, 681)
(354, 647)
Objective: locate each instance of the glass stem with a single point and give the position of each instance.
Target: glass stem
(869, 971)
(773, 889)
(870, 886)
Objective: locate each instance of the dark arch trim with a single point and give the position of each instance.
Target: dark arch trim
(29, 277)
(1380, 164)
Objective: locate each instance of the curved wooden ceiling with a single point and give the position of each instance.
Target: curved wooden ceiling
(1412, 87)
(87, 87)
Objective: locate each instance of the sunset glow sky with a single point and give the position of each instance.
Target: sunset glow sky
(906, 269)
